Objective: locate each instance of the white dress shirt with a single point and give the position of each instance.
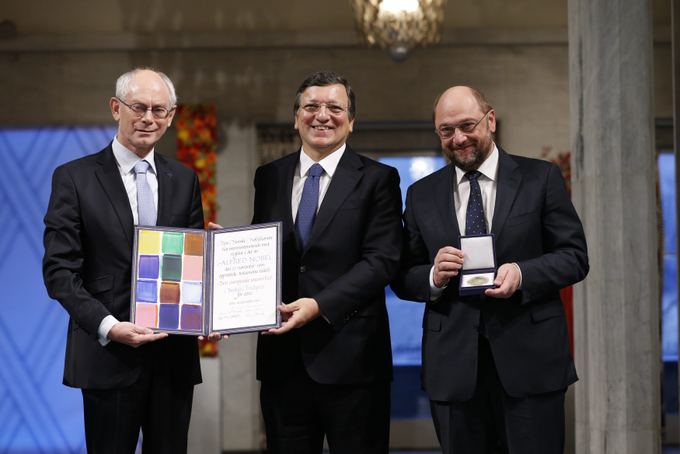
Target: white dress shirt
(126, 161)
(126, 166)
(488, 182)
(487, 185)
(329, 164)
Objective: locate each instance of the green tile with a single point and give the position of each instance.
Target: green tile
(171, 269)
(173, 243)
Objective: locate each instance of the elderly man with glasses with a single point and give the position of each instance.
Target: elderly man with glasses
(130, 377)
(496, 360)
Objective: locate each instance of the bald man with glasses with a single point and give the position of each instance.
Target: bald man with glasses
(496, 364)
(130, 377)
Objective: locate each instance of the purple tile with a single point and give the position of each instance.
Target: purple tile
(168, 318)
(191, 317)
(148, 267)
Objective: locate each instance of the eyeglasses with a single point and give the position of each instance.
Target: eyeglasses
(467, 127)
(334, 109)
(140, 110)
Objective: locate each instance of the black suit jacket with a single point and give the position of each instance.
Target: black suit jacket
(535, 225)
(87, 267)
(352, 254)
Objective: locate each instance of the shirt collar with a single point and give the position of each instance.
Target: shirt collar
(488, 168)
(127, 159)
(329, 163)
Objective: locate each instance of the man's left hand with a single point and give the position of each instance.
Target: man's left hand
(296, 314)
(507, 282)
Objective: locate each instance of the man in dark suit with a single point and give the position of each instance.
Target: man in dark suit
(327, 370)
(129, 376)
(495, 365)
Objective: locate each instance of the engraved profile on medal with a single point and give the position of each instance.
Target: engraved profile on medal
(478, 280)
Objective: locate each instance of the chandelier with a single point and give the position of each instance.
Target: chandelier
(399, 25)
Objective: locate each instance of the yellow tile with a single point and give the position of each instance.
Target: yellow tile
(149, 242)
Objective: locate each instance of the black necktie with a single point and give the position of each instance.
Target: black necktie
(475, 221)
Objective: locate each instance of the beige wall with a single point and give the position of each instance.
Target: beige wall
(527, 84)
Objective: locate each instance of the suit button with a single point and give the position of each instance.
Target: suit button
(303, 268)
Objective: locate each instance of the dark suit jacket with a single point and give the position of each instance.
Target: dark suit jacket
(352, 254)
(535, 225)
(87, 267)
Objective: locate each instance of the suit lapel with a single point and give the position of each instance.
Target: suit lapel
(346, 177)
(285, 188)
(165, 190)
(112, 184)
(506, 190)
(443, 195)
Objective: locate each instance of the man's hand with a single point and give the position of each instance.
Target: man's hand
(133, 335)
(447, 264)
(507, 282)
(296, 314)
(214, 226)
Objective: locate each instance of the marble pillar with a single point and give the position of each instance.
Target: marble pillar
(614, 183)
(242, 427)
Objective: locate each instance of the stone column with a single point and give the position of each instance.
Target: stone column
(614, 183)
(242, 427)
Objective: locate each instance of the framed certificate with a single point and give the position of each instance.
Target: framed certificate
(196, 282)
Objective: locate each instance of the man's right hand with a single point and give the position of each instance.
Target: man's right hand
(447, 264)
(133, 335)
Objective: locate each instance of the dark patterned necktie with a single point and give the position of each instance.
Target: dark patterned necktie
(308, 203)
(475, 221)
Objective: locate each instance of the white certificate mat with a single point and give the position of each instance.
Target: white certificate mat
(245, 278)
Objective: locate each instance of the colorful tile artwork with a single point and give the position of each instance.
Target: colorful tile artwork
(169, 284)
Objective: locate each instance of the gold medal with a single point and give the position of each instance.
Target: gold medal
(478, 280)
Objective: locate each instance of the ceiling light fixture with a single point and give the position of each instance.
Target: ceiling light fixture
(399, 25)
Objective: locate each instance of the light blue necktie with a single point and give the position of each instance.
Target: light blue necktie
(146, 210)
(475, 221)
(308, 203)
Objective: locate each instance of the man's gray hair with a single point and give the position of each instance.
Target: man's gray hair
(123, 84)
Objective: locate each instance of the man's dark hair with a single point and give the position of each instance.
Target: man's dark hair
(323, 79)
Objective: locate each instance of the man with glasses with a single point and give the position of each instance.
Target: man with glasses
(327, 370)
(130, 377)
(496, 365)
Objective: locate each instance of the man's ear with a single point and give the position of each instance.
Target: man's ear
(492, 120)
(114, 104)
(171, 116)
